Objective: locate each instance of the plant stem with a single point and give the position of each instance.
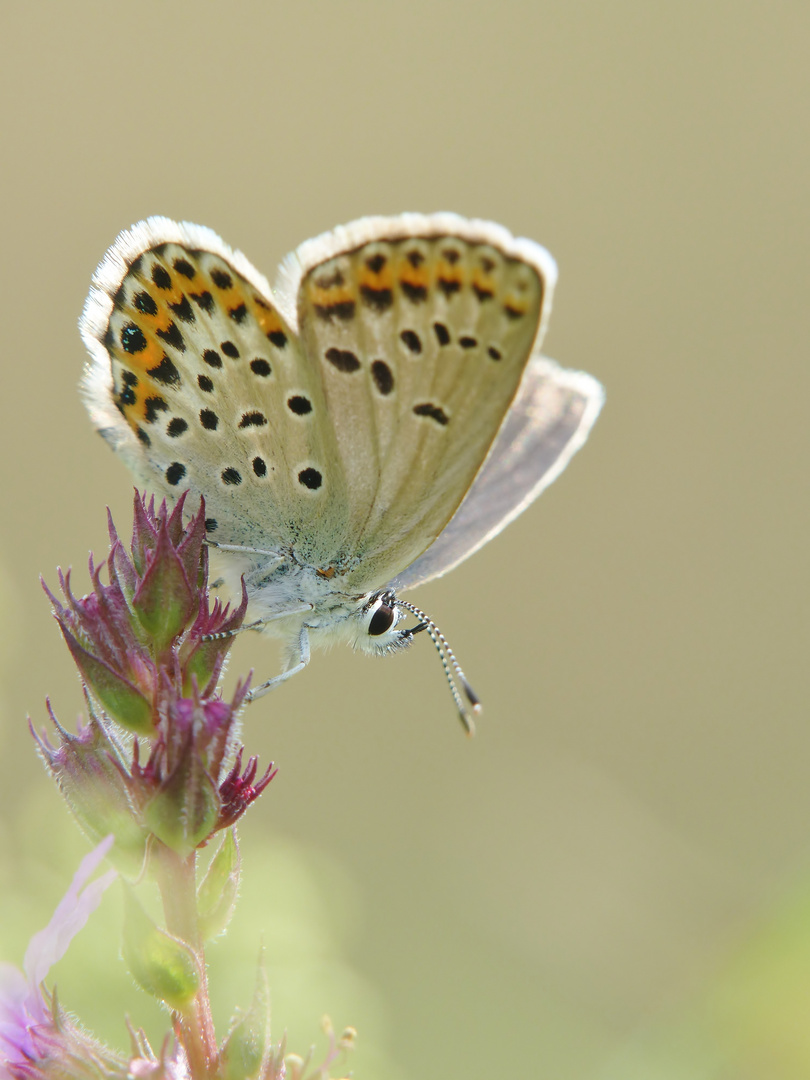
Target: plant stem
(177, 880)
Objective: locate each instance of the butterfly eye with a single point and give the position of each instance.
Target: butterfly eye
(381, 620)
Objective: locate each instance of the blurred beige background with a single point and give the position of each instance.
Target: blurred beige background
(610, 881)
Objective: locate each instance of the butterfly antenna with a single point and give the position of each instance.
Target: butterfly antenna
(452, 668)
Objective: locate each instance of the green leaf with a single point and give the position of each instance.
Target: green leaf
(160, 964)
(216, 895)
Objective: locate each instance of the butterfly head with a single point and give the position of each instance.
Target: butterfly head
(379, 618)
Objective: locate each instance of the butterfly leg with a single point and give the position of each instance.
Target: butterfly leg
(297, 662)
(245, 550)
(258, 623)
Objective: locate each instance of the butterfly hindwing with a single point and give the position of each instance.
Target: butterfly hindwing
(549, 420)
(421, 329)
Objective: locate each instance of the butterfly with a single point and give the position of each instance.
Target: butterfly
(356, 431)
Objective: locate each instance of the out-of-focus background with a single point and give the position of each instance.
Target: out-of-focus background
(613, 879)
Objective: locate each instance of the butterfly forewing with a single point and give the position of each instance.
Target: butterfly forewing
(211, 382)
(421, 343)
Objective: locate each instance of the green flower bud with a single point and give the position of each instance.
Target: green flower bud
(88, 769)
(247, 1048)
(160, 964)
(184, 810)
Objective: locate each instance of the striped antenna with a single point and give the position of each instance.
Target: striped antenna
(452, 669)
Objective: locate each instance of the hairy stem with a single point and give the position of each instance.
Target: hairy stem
(177, 880)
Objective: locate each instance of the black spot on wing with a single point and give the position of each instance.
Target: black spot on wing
(299, 405)
(442, 333)
(383, 377)
(253, 419)
(176, 427)
(144, 302)
(376, 299)
(175, 473)
(132, 339)
(183, 310)
(448, 286)
(161, 277)
(310, 478)
(153, 406)
(203, 300)
(172, 336)
(411, 340)
(221, 279)
(184, 267)
(165, 372)
(433, 412)
(343, 359)
(415, 293)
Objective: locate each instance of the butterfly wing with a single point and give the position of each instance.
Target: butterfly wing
(421, 328)
(343, 417)
(197, 379)
(549, 420)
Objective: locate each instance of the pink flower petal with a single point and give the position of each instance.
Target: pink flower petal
(74, 909)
